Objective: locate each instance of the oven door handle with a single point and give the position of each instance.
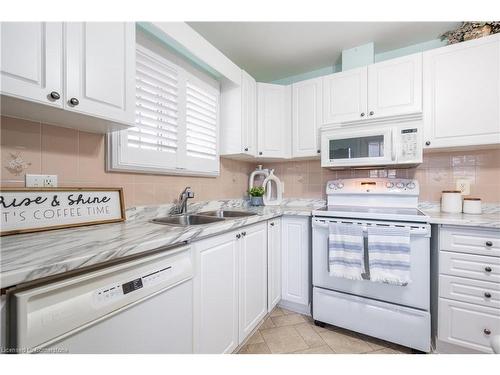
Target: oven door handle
(413, 231)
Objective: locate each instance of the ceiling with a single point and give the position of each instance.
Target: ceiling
(274, 50)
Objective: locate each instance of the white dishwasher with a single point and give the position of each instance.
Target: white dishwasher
(141, 306)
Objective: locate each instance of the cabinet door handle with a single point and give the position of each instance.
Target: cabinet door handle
(243, 233)
(371, 113)
(489, 243)
(428, 143)
(246, 148)
(260, 152)
(272, 224)
(55, 95)
(318, 151)
(487, 331)
(74, 101)
(487, 269)
(362, 114)
(487, 294)
(238, 236)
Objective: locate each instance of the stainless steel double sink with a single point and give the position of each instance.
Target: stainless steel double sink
(200, 218)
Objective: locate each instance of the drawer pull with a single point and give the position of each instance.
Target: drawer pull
(487, 294)
(489, 243)
(487, 269)
(487, 331)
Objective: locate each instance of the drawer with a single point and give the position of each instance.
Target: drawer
(469, 290)
(467, 265)
(472, 241)
(467, 325)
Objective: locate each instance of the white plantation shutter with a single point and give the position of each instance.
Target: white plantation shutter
(157, 106)
(201, 122)
(176, 125)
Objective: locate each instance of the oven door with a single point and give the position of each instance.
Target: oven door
(416, 294)
(356, 148)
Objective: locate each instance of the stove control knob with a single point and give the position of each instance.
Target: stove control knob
(410, 185)
(389, 185)
(340, 185)
(331, 186)
(400, 185)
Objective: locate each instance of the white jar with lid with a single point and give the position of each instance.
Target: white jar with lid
(472, 206)
(451, 201)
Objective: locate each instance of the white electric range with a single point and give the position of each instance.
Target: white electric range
(398, 314)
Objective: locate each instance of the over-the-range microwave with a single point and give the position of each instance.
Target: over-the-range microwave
(397, 145)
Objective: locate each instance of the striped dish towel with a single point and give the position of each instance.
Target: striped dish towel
(389, 255)
(345, 251)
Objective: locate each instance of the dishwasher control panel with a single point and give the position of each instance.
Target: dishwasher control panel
(117, 291)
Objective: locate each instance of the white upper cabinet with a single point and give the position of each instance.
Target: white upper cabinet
(273, 120)
(100, 69)
(395, 87)
(307, 115)
(239, 117)
(249, 114)
(86, 69)
(462, 94)
(31, 61)
(345, 96)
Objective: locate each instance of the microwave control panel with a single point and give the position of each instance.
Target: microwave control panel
(409, 149)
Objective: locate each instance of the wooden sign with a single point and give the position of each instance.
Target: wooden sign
(25, 210)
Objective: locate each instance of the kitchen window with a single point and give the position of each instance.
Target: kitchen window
(176, 121)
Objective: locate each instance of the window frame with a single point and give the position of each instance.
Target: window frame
(118, 160)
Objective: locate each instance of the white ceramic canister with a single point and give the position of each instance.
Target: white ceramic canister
(472, 206)
(451, 201)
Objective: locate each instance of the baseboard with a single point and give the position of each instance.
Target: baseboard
(295, 307)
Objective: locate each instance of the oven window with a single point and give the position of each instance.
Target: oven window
(359, 147)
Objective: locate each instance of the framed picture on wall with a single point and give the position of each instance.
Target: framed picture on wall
(25, 210)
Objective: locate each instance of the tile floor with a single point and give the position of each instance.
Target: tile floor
(284, 331)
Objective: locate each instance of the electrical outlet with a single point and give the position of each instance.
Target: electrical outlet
(41, 180)
(463, 185)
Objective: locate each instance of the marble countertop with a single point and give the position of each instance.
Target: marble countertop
(28, 257)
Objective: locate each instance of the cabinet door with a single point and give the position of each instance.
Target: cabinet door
(248, 114)
(273, 263)
(31, 61)
(395, 87)
(253, 278)
(295, 260)
(216, 294)
(100, 69)
(274, 120)
(306, 117)
(345, 96)
(462, 94)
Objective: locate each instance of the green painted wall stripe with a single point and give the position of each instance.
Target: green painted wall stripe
(420, 47)
(153, 32)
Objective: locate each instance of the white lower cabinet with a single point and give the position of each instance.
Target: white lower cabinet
(273, 263)
(215, 315)
(296, 239)
(468, 303)
(253, 278)
(230, 288)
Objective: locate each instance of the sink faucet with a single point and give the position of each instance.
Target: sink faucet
(181, 206)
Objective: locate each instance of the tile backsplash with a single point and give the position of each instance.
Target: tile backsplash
(78, 158)
(438, 172)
